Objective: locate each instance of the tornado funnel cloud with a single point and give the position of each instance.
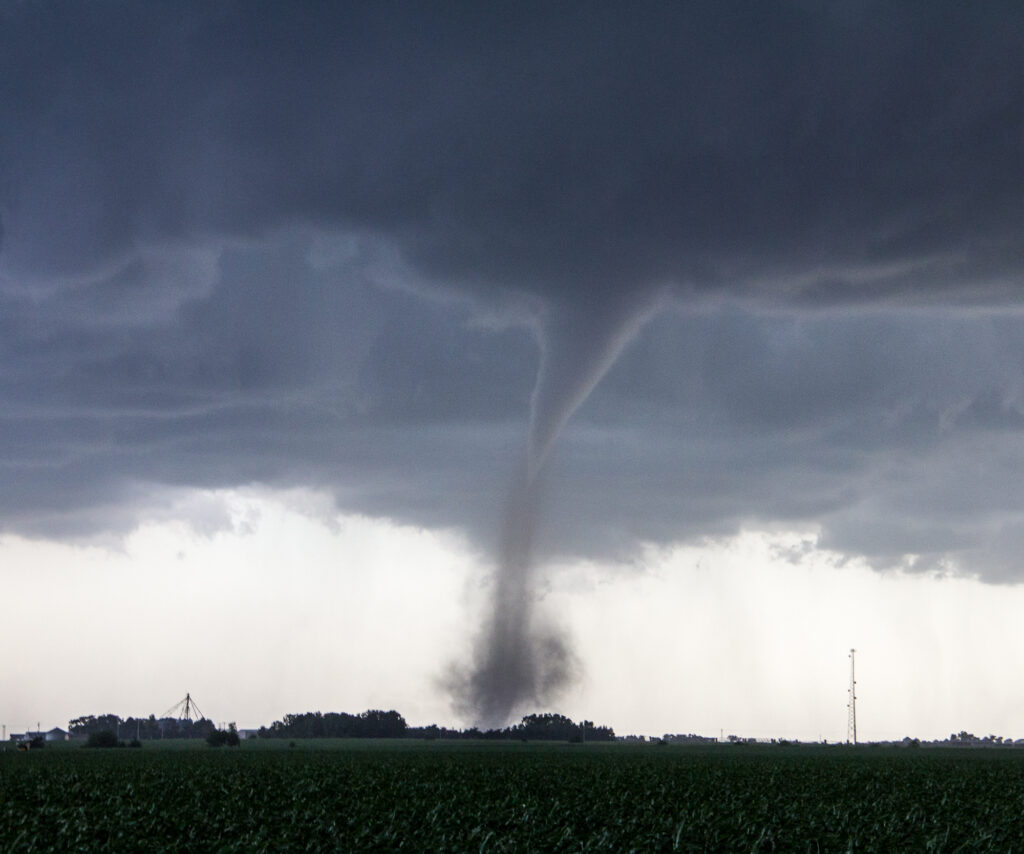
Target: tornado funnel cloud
(513, 665)
(521, 660)
(579, 345)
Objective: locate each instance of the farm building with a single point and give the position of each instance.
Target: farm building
(55, 734)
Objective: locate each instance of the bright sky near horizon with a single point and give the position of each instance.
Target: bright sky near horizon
(633, 361)
(748, 635)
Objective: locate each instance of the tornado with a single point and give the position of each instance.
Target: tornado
(519, 660)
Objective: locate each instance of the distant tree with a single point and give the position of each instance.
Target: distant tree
(89, 724)
(222, 737)
(597, 733)
(373, 723)
(141, 728)
(103, 738)
(433, 731)
(82, 725)
(168, 728)
(550, 727)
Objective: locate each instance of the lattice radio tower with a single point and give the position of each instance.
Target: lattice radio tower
(851, 707)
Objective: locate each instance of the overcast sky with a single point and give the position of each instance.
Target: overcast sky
(287, 294)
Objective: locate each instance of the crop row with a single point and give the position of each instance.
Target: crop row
(509, 799)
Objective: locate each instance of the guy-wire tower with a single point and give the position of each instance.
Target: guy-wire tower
(851, 707)
(184, 710)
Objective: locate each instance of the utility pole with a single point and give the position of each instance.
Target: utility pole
(851, 707)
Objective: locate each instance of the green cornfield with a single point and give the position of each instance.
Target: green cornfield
(438, 796)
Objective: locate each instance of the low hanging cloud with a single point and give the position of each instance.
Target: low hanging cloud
(252, 244)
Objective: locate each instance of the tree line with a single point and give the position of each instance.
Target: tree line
(545, 727)
(140, 728)
(373, 723)
(379, 724)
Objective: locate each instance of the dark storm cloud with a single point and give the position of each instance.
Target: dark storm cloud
(827, 149)
(342, 387)
(226, 227)
(895, 433)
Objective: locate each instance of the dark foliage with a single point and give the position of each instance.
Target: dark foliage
(224, 737)
(141, 728)
(370, 724)
(550, 727)
(103, 738)
(378, 724)
(92, 724)
(545, 727)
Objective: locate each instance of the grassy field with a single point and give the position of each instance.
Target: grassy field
(441, 796)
